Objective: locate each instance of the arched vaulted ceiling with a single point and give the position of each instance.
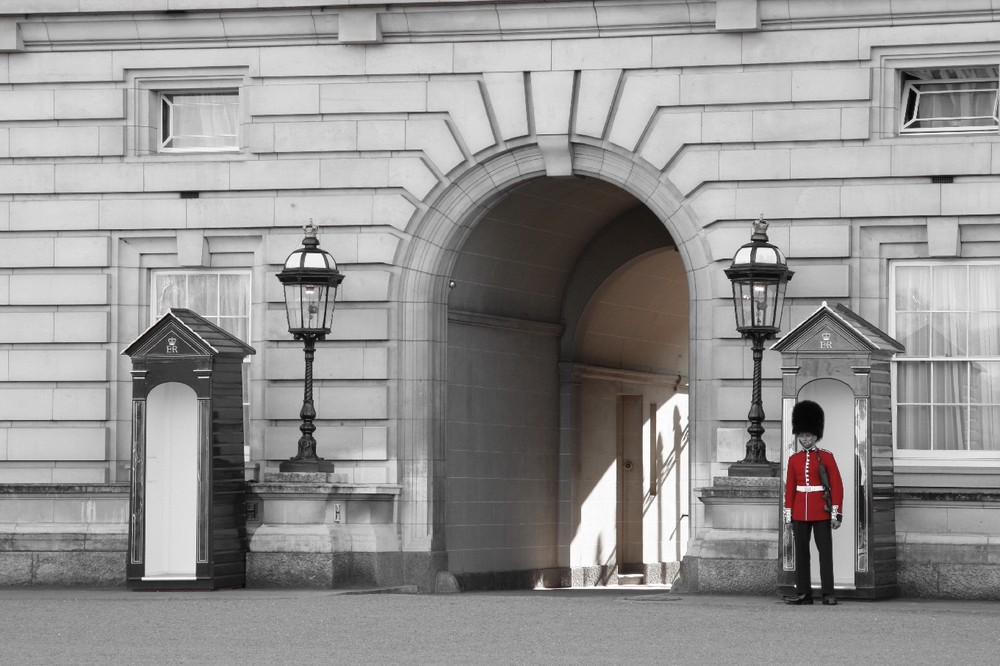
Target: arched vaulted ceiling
(589, 256)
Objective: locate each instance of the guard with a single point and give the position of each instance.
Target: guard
(814, 493)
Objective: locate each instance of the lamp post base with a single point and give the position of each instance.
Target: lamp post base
(755, 469)
(318, 465)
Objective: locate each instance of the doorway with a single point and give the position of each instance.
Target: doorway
(630, 486)
(171, 514)
(837, 400)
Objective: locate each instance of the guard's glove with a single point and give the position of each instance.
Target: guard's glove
(836, 518)
(788, 516)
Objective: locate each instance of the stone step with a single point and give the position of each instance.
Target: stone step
(631, 579)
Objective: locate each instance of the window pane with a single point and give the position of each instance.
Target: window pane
(233, 295)
(984, 428)
(238, 326)
(203, 294)
(985, 383)
(913, 428)
(914, 382)
(913, 288)
(949, 428)
(984, 334)
(950, 288)
(950, 382)
(949, 333)
(983, 291)
(170, 291)
(913, 331)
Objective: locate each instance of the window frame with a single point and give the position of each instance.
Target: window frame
(144, 102)
(166, 102)
(910, 85)
(934, 457)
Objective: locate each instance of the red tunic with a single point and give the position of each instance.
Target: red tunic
(803, 479)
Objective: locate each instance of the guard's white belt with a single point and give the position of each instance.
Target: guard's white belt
(809, 489)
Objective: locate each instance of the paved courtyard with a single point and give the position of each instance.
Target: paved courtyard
(595, 626)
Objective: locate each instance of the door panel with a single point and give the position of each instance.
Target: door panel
(171, 514)
(630, 487)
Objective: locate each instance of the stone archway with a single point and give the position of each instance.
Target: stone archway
(432, 258)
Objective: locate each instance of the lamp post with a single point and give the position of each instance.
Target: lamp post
(310, 279)
(759, 275)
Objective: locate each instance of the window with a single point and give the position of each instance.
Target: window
(199, 121)
(196, 111)
(947, 315)
(223, 298)
(960, 99)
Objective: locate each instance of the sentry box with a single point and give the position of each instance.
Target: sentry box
(187, 514)
(842, 362)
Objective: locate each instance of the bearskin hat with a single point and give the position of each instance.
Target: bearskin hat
(807, 416)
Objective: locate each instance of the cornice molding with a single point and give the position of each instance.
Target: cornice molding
(250, 23)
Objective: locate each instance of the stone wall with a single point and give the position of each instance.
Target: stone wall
(63, 534)
(394, 126)
(947, 543)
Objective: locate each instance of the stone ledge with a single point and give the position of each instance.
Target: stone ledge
(309, 486)
(963, 495)
(64, 489)
(63, 537)
(741, 488)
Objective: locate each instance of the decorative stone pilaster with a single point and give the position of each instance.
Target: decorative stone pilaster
(316, 530)
(737, 552)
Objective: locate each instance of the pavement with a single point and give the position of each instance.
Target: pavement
(621, 625)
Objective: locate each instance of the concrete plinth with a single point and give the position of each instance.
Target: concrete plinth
(738, 552)
(315, 530)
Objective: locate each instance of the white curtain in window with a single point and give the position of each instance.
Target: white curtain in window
(202, 121)
(222, 298)
(914, 419)
(913, 289)
(984, 413)
(954, 97)
(984, 321)
(234, 303)
(951, 316)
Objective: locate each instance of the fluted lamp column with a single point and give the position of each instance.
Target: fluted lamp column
(310, 279)
(759, 275)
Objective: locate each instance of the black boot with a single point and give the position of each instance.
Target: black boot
(800, 600)
(829, 600)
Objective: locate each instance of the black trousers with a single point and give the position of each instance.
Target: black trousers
(803, 529)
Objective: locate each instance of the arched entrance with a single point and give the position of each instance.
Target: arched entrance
(423, 387)
(171, 519)
(566, 393)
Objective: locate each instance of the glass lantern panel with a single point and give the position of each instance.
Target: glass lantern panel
(758, 303)
(741, 303)
(766, 255)
(762, 316)
(780, 303)
(308, 307)
(744, 255)
(314, 260)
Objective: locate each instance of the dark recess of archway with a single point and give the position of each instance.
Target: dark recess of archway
(522, 281)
